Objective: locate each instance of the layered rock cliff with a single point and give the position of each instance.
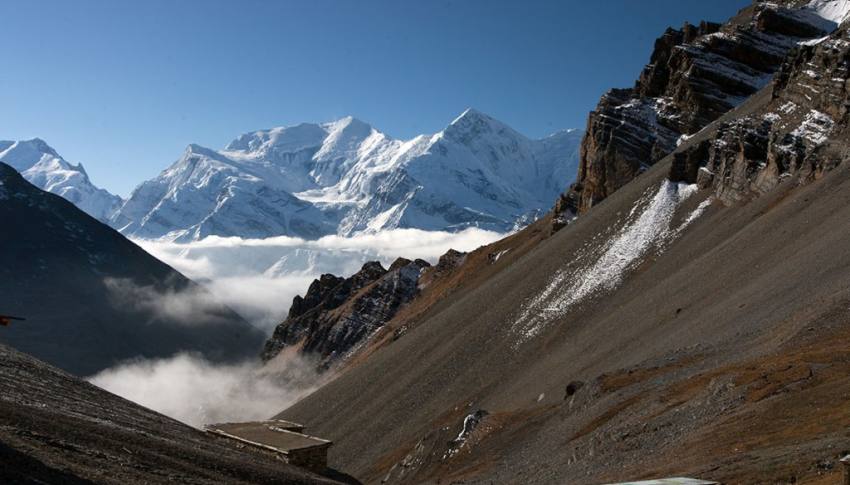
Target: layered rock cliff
(796, 137)
(695, 75)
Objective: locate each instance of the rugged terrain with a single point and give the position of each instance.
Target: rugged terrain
(692, 323)
(337, 315)
(346, 177)
(695, 75)
(55, 428)
(92, 298)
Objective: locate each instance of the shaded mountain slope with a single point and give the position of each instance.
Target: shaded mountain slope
(585, 352)
(93, 298)
(55, 428)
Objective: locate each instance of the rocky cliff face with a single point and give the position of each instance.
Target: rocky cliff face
(695, 75)
(337, 314)
(797, 136)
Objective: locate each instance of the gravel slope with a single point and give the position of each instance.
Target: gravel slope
(709, 359)
(55, 428)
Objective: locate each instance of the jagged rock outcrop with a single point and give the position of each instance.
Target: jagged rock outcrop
(338, 314)
(800, 134)
(695, 75)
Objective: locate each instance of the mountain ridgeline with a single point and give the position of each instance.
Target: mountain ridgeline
(313, 180)
(690, 322)
(695, 75)
(92, 298)
(346, 177)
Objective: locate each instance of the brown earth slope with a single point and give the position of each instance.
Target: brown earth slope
(720, 353)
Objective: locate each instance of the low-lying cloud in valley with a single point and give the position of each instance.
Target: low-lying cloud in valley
(190, 389)
(258, 278)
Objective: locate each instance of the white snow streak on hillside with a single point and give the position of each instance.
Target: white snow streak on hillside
(571, 285)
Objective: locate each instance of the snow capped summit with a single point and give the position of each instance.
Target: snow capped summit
(42, 166)
(345, 177)
(22, 155)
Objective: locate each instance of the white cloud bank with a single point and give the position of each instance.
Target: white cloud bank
(188, 388)
(259, 277)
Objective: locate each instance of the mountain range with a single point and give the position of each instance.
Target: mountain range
(690, 321)
(342, 177)
(681, 311)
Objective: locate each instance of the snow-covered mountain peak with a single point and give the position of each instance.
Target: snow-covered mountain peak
(325, 137)
(22, 155)
(42, 166)
(344, 137)
(195, 149)
(286, 139)
(345, 177)
(473, 127)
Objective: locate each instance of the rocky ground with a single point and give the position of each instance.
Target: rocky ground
(55, 428)
(714, 350)
(695, 75)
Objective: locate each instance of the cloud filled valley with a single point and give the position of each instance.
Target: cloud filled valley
(258, 278)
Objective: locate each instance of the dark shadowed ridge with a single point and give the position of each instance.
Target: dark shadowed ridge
(55, 267)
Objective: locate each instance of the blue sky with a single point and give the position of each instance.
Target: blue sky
(124, 86)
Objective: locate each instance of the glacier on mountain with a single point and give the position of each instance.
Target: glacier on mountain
(42, 166)
(345, 177)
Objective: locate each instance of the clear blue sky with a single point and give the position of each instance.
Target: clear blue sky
(124, 86)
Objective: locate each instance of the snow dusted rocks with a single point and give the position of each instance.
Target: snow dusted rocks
(42, 166)
(695, 75)
(346, 177)
(800, 134)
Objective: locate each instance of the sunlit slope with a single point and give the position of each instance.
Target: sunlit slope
(696, 331)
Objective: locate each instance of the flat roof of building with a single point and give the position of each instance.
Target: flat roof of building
(237, 427)
(269, 434)
(670, 481)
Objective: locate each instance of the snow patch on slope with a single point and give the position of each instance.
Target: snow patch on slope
(835, 11)
(647, 227)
